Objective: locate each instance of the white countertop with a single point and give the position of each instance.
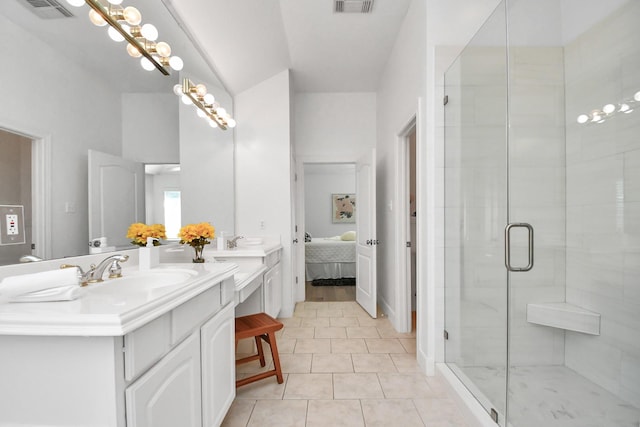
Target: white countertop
(261, 250)
(114, 307)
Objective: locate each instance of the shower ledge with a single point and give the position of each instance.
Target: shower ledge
(564, 316)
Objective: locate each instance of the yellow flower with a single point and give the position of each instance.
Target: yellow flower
(139, 232)
(196, 234)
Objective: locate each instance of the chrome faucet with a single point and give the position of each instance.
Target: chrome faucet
(233, 243)
(95, 273)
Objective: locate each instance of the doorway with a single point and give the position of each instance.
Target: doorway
(15, 197)
(329, 193)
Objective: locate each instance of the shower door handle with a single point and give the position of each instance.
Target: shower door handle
(507, 246)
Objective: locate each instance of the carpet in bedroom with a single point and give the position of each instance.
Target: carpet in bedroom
(344, 281)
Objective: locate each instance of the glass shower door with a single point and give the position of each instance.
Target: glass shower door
(476, 214)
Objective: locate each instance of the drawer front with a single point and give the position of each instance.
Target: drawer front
(146, 345)
(272, 259)
(191, 314)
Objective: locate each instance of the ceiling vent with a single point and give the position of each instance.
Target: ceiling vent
(352, 6)
(47, 9)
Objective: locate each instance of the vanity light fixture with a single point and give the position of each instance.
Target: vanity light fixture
(206, 104)
(609, 110)
(124, 24)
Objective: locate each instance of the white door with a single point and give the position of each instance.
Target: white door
(366, 242)
(115, 184)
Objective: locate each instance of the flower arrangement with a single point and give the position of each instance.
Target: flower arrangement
(196, 236)
(139, 232)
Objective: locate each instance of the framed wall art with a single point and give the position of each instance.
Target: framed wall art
(343, 208)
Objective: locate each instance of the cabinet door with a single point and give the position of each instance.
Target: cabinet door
(273, 290)
(218, 366)
(169, 393)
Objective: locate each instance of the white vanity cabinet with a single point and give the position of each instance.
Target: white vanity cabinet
(273, 290)
(263, 293)
(175, 369)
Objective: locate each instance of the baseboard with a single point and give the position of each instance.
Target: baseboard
(388, 311)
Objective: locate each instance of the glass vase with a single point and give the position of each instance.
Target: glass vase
(198, 249)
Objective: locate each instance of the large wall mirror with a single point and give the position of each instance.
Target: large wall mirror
(67, 90)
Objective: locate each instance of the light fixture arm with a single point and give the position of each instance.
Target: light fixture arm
(96, 6)
(189, 89)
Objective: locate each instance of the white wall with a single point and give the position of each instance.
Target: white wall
(206, 174)
(401, 86)
(334, 126)
(150, 144)
(263, 174)
(320, 182)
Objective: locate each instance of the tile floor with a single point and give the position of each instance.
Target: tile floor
(342, 368)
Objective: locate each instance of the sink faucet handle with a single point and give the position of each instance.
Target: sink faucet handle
(115, 270)
(82, 278)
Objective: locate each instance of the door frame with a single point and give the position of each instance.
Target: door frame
(40, 185)
(402, 224)
(299, 291)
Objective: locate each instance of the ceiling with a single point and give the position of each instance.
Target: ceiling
(249, 41)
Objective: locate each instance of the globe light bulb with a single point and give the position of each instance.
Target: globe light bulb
(177, 89)
(116, 2)
(176, 63)
(146, 64)
(609, 108)
(133, 51)
(209, 99)
(115, 35)
(96, 19)
(624, 108)
(213, 124)
(637, 96)
(149, 32)
(132, 15)
(186, 100)
(221, 111)
(201, 90)
(583, 118)
(76, 3)
(163, 49)
(596, 117)
(201, 113)
(231, 123)
(215, 106)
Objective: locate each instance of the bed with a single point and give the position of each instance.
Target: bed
(330, 258)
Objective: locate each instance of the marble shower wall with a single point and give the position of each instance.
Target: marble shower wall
(603, 202)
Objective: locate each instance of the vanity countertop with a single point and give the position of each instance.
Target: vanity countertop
(241, 251)
(114, 307)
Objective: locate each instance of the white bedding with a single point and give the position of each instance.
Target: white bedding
(321, 250)
(330, 258)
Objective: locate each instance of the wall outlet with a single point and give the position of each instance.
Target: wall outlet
(12, 225)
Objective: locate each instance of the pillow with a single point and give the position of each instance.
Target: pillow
(348, 236)
(307, 237)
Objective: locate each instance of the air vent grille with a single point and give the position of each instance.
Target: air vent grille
(48, 9)
(353, 6)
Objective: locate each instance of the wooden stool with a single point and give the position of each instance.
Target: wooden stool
(261, 326)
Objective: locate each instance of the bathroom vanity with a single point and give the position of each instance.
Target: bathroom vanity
(133, 351)
(259, 282)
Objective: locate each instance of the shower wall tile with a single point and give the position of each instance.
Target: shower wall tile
(603, 203)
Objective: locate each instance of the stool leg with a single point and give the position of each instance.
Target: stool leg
(260, 350)
(276, 357)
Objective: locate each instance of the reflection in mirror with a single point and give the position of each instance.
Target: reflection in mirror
(162, 197)
(71, 89)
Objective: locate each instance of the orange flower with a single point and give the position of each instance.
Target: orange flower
(139, 232)
(197, 234)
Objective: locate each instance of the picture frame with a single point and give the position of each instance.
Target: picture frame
(343, 208)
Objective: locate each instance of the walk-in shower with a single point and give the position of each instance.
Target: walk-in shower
(542, 214)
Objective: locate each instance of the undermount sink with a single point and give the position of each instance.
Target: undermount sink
(154, 278)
